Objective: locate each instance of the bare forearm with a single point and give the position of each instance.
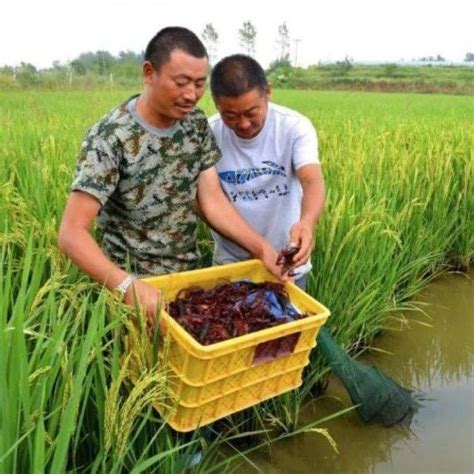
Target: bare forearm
(224, 219)
(83, 250)
(221, 216)
(312, 204)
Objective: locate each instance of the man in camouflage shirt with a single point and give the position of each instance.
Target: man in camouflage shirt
(142, 170)
(144, 177)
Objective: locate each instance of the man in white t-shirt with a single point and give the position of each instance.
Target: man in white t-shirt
(269, 167)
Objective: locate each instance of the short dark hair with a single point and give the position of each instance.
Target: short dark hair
(235, 75)
(160, 47)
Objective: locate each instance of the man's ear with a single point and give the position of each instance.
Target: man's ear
(147, 70)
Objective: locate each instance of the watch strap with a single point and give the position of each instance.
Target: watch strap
(125, 284)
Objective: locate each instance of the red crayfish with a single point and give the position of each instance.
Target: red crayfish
(285, 259)
(231, 310)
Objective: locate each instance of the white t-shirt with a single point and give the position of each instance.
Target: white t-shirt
(259, 177)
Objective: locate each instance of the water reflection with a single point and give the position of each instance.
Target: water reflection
(311, 453)
(438, 360)
(442, 354)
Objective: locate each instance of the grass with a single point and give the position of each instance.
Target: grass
(398, 170)
(392, 77)
(383, 78)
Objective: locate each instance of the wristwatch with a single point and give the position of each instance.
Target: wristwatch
(125, 285)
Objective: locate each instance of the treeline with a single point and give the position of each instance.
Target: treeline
(103, 69)
(391, 77)
(91, 68)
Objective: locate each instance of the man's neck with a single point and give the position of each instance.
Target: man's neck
(151, 115)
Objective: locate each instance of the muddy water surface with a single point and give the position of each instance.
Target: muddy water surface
(439, 361)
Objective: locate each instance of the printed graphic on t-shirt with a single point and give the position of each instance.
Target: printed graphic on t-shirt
(247, 174)
(242, 176)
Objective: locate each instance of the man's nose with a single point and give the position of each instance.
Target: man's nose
(243, 123)
(190, 93)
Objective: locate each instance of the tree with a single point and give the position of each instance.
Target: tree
(26, 74)
(7, 70)
(344, 66)
(247, 36)
(78, 67)
(130, 57)
(433, 59)
(279, 65)
(391, 69)
(128, 64)
(57, 65)
(100, 62)
(27, 68)
(104, 62)
(469, 57)
(279, 72)
(284, 41)
(210, 38)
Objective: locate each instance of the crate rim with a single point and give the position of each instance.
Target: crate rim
(247, 340)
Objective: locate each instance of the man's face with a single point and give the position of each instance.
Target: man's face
(244, 114)
(176, 88)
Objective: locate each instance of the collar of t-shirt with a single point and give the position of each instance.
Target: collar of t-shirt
(159, 132)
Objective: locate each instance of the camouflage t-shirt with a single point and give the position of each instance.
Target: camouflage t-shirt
(146, 180)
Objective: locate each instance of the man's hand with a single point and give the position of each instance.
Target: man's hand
(269, 257)
(149, 298)
(301, 235)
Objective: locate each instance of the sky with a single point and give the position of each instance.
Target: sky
(41, 31)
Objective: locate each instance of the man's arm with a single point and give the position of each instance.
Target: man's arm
(222, 216)
(75, 241)
(312, 205)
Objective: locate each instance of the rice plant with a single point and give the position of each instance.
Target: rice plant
(398, 170)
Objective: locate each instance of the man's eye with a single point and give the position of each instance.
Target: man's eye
(181, 83)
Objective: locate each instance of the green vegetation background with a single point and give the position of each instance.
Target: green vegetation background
(398, 170)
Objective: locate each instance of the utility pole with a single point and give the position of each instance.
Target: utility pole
(296, 41)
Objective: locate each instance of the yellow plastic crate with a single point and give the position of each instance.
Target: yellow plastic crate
(214, 381)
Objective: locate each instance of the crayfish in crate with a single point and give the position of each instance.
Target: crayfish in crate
(232, 309)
